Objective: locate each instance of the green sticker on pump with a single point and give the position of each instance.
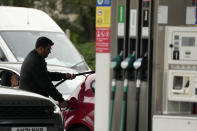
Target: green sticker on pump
(121, 14)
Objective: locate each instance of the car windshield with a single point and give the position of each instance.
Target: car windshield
(63, 53)
(67, 87)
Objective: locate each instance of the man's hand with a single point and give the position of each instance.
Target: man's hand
(64, 104)
(70, 76)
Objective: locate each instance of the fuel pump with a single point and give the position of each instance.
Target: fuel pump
(180, 64)
(179, 80)
(126, 65)
(133, 34)
(116, 66)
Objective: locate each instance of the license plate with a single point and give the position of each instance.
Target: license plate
(29, 129)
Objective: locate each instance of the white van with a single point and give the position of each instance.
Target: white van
(19, 29)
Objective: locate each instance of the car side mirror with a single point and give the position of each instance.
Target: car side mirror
(73, 103)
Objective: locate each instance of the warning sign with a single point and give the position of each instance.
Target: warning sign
(102, 40)
(103, 15)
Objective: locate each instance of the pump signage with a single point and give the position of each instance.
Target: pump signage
(103, 3)
(103, 15)
(121, 14)
(103, 24)
(102, 40)
(121, 18)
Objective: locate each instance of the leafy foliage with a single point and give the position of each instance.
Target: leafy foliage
(19, 3)
(85, 23)
(87, 50)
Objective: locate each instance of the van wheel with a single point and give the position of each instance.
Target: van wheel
(79, 129)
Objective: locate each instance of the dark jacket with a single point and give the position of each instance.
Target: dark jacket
(34, 77)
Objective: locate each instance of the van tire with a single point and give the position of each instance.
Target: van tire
(79, 129)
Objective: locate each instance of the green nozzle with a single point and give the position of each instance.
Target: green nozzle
(116, 61)
(128, 62)
(132, 58)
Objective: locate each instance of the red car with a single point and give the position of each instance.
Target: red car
(81, 116)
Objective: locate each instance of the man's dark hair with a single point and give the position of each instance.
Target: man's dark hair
(43, 42)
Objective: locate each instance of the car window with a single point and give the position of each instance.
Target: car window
(8, 78)
(67, 87)
(2, 56)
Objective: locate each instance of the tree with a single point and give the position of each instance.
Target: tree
(85, 21)
(19, 3)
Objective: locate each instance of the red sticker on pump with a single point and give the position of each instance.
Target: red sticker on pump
(102, 40)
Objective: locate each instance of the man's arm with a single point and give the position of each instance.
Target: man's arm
(57, 76)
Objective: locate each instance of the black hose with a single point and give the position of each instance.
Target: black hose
(83, 73)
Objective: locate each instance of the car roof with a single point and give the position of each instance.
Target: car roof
(11, 66)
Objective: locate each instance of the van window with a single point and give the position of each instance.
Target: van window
(63, 53)
(2, 56)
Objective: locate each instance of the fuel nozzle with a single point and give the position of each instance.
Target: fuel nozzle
(140, 65)
(116, 66)
(140, 62)
(116, 61)
(128, 62)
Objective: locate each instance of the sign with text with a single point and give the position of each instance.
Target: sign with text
(103, 16)
(103, 24)
(102, 40)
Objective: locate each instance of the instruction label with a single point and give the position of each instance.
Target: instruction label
(103, 16)
(102, 40)
(162, 15)
(190, 15)
(133, 22)
(121, 20)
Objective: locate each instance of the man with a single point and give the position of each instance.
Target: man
(34, 76)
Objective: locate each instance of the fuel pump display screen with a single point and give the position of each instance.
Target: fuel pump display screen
(188, 41)
(178, 82)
